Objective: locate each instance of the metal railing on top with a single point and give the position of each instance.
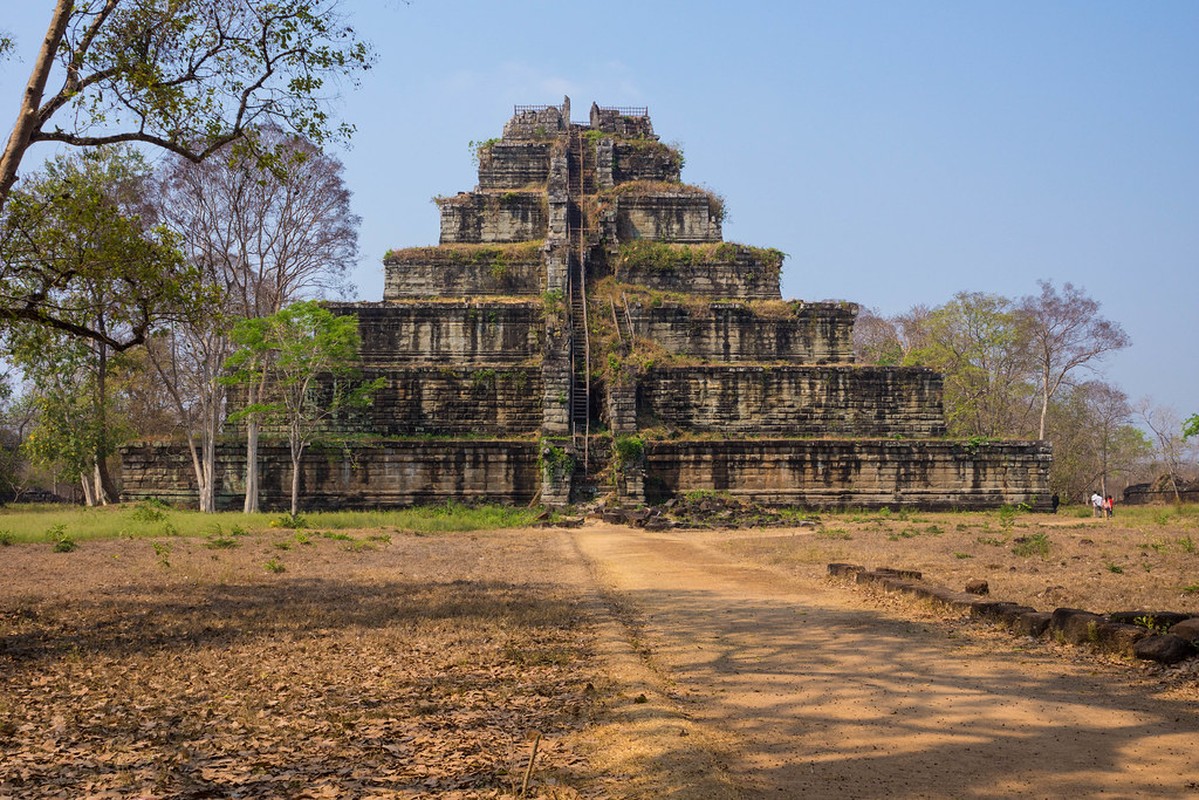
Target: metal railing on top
(628, 111)
(527, 109)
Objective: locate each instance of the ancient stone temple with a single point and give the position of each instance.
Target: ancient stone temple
(582, 328)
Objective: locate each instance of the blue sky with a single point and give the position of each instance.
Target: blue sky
(898, 151)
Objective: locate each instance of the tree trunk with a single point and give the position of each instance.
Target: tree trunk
(27, 117)
(251, 504)
(88, 499)
(106, 487)
(208, 485)
(295, 486)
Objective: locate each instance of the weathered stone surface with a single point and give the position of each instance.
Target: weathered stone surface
(474, 217)
(538, 122)
(453, 401)
(979, 587)
(724, 271)
(1032, 623)
(989, 608)
(514, 164)
(1118, 638)
(463, 271)
(675, 216)
(364, 475)
(1156, 619)
(1075, 626)
(845, 570)
(488, 333)
(1187, 629)
(630, 123)
(1010, 615)
(905, 574)
(1164, 648)
(793, 401)
(841, 473)
(644, 160)
(797, 333)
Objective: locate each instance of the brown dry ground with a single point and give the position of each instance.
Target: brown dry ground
(681, 664)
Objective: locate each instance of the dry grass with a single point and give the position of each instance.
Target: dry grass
(1143, 559)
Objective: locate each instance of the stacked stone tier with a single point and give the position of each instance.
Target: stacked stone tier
(797, 333)
(492, 333)
(716, 270)
(464, 270)
(792, 401)
(361, 474)
(846, 473)
(499, 217)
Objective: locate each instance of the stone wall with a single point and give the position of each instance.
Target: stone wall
(798, 333)
(514, 165)
(724, 271)
(867, 474)
(495, 334)
(644, 160)
(667, 217)
(614, 120)
(378, 475)
(450, 401)
(538, 122)
(793, 401)
(463, 271)
(472, 217)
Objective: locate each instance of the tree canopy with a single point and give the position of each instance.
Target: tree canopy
(187, 76)
(77, 255)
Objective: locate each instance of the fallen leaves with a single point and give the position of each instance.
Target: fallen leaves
(331, 680)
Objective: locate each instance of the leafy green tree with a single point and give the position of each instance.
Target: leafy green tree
(260, 239)
(310, 357)
(1191, 426)
(188, 76)
(84, 277)
(77, 256)
(976, 341)
(74, 431)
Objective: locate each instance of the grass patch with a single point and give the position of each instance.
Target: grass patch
(834, 533)
(30, 523)
(1035, 544)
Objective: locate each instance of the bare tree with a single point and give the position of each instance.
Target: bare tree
(1172, 447)
(262, 239)
(1065, 333)
(876, 339)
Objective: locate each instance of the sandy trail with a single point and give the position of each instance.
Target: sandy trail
(815, 696)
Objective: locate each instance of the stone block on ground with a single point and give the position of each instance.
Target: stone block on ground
(1187, 629)
(1119, 637)
(1075, 625)
(1155, 619)
(1032, 623)
(1163, 648)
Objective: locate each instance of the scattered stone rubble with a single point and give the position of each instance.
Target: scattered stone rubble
(1166, 637)
(701, 512)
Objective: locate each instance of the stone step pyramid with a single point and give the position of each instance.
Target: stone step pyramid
(582, 327)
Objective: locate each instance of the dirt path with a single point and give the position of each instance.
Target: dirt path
(768, 685)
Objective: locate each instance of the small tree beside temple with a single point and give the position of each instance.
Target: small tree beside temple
(309, 358)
